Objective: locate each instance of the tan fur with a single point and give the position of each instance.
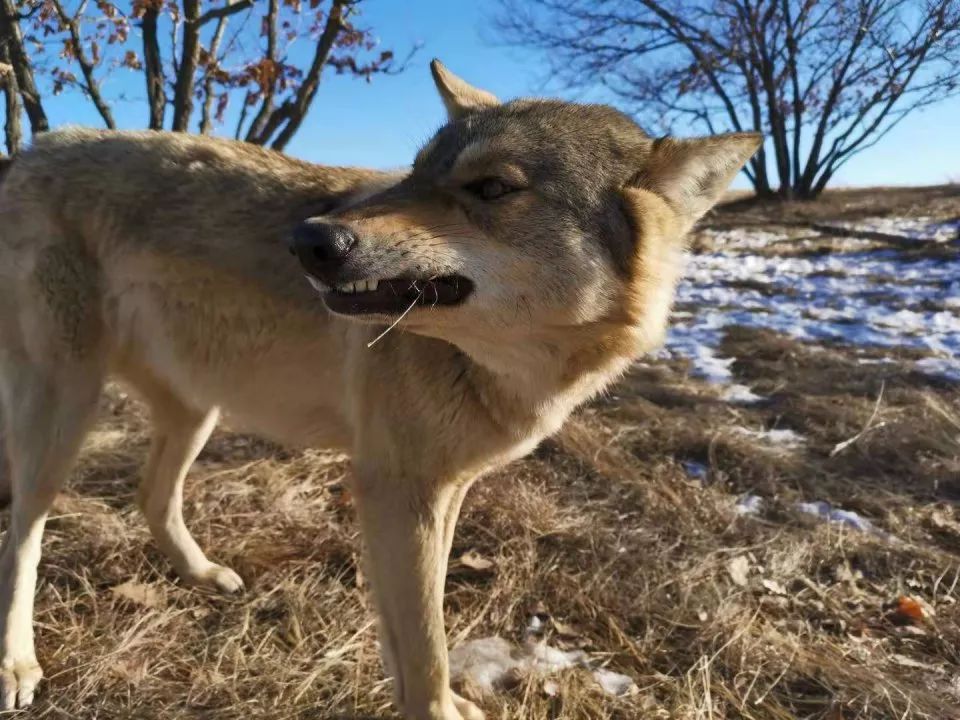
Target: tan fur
(170, 272)
(459, 97)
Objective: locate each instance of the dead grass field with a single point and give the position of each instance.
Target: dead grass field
(602, 532)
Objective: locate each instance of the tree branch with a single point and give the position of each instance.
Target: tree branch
(287, 118)
(231, 8)
(269, 65)
(206, 122)
(91, 86)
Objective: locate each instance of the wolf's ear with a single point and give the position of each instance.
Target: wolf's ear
(459, 97)
(691, 174)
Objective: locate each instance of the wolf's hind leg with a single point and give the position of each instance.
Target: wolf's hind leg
(180, 432)
(47, 412)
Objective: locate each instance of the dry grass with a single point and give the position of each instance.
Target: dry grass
(936, 201)
(601, 528)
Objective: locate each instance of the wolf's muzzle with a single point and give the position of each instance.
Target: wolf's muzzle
(323, 248)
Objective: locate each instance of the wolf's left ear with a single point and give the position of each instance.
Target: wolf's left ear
(459, 97)
(692, 174)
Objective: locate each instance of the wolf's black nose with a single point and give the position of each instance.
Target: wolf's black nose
(322, 248)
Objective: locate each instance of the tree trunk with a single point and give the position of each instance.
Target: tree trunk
(153, 68)
(760, 180)
(187, 70)
(13, 134)
(11, 36)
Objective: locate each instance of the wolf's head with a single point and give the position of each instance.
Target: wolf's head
(519, 219)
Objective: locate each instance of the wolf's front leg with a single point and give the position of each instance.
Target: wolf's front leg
(408, 528)
(47, 415)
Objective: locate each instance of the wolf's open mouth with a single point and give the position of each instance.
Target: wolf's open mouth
(394, 295)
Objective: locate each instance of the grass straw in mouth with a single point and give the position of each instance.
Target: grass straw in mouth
(395, 322)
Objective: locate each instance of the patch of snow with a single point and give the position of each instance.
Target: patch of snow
(848, 518)
(876, 298)
(740, 395)
(614, 683)
(550, 658)
(785, 437)
(939, 367)
(749, 505)
(737, 239)
(920, 228)
(706, 363)
(536, 625)
(489, 663)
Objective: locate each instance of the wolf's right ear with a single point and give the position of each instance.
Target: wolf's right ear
(692, 174)
(459, 97)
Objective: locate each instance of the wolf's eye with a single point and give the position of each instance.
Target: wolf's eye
(488, 188)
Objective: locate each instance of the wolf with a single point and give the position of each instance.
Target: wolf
(436, 324)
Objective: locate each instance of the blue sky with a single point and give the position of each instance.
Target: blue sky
(382, 123)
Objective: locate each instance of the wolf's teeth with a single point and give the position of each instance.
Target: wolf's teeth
(357, 287)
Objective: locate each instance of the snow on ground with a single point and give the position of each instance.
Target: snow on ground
(785, 438)
(824, 511)
(875, 297)
(919, 228)
(489, 663)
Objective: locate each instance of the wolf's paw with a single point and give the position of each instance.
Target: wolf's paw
(215, 577)
(452, 708)
(467, 709)
(18, 682)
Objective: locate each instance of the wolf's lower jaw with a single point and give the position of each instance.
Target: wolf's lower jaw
(394, 295)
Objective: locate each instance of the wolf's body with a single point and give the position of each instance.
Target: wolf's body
(162, 260)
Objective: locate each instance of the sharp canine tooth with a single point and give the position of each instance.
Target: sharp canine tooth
(376, 284)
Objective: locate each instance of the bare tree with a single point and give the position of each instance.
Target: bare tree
(192, 54)
(12, 132)
(822, 79)
(22, 82)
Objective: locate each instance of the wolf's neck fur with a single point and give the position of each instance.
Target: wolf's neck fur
(531, 386)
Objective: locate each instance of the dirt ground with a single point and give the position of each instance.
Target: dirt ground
(628, 536)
